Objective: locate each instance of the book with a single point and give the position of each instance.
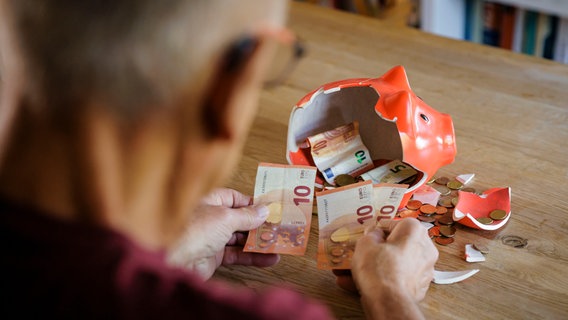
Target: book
(507, 27)
(550, 41)
(491, 23)
(473, 20)
(561, 45)
(529, 32)
(542, 31)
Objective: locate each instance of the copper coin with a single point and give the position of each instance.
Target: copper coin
(455, 201)
(441, 210)
(446, 220)
(468, 189)
(428, 209)
(485, 220)
(444, 241)
(344, 180)
(267, 236)
(443, 190)
(454, 185)
(446, 202)
(447, 231)
(426, 219)
(431, 180)
(498, 214)
(408, 214)
(442, 180)
(481, 248)
(414, 204)
(434, 232)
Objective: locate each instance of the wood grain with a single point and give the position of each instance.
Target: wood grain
(510, 114)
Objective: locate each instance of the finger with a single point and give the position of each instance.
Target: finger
(346, 282)
(387, 225)
(236, 256)
(229, 198)
(247, 218)
(371, 236)
(406, 227)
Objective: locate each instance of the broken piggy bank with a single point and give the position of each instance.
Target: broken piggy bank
(394, 123)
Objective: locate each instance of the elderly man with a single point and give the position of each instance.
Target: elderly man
(117, 121)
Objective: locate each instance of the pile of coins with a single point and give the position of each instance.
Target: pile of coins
(441, 216)
(442, 229)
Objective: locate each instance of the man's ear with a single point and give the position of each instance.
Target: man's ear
(232, 75)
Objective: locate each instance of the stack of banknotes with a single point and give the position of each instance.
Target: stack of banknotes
(356, 193)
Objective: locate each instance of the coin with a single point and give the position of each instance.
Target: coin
(481, 248)
(264, 244)
(498, 214)
(444, 241)
(446, 220)
(442, 180)
(485, 220)
(408, 214)
(446, 202)
(443, 190)
(455, 201)
(514, 241)
(454, 185)
(441, 210)
(344, 180)
(447, 231)
(428, 219)
(468, 189)
(431, 180)
(414, 204)
(434, 232)
(336, 260)
(428, 209)
(340, 235)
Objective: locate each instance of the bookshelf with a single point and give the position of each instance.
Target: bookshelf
(538, 28)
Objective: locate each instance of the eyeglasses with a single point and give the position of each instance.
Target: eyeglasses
(287, 52)
(287, 55)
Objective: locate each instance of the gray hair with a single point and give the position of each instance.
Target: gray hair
(131, 54)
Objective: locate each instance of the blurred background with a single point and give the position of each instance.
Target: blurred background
(533, 27)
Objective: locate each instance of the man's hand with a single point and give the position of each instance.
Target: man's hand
(392, 271)
(216, 234)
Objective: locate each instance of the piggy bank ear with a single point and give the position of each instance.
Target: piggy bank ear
(398, 107)
(397, 77)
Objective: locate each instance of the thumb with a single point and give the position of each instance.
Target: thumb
(250, 217)
(372, 235)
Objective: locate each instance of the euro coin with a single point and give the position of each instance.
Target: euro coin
(428, 219)
(454, 185)
(485, 220)
(428, 209)
(408, 213)
(441, 210)
(447, 231)
(446, 220)
(434, 232)
(455, 201)
(344, 180)
(442, 189)
(446, 202)
(442, 180)
(444, 241)
(267, 236)
(468, 189)
(337, 252)
(481, 248)
(414, 204)
(498, 214)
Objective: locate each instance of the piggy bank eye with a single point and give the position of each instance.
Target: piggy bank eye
(424, 117)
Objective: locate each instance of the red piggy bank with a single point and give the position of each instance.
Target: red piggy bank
(394, 123)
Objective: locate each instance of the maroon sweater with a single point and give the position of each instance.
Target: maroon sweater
(54, 269)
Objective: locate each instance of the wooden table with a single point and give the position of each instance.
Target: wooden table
(510, 114)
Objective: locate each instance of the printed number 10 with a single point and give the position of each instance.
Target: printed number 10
(303, 192)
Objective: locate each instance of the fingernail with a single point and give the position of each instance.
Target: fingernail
(262, 211)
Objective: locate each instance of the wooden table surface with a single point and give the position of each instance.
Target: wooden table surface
(510, 114)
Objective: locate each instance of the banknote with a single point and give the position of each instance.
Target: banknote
(394, 171)
(387, 198)
(340, 151)
(288, 191)
(343, 214)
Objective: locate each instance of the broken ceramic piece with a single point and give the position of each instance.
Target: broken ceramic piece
(471, 207)
(449, 277)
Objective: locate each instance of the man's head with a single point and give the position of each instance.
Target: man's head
(144, 92)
